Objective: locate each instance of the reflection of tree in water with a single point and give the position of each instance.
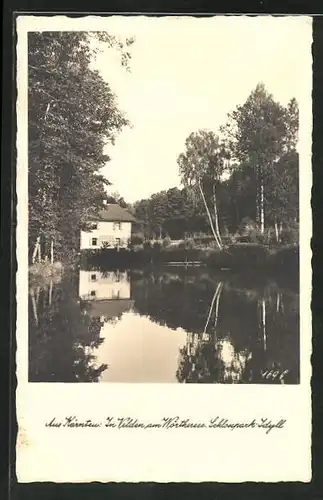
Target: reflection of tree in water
(61, 336)
(212, 362)
(205, 358)
(241, 327)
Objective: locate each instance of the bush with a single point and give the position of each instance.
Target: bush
(290, 236)
(137, 239)
(246, 226)
(187, 244)
(147, 245)
(286, 259)
(239, 256)
(166, 242)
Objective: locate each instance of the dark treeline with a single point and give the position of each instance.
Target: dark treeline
(248, 178)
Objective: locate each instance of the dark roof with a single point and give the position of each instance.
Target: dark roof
(110, 308)
(112, 212)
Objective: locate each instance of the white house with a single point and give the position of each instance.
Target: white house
(95, 285)
(111, 228)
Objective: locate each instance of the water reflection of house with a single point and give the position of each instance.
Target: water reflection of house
(108, 294)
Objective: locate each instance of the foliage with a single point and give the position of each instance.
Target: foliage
(116, 198)
(137, 239)
(169, 213)
(240, 256)
(60, 336)
(201, 167)
(257, 152)
(72, 116)
(166, 241)
(261, 136)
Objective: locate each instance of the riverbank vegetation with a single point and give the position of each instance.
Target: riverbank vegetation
(239, 257)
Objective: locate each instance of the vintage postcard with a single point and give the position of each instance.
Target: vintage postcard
(163, 245)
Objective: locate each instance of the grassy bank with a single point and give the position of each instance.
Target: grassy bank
(237, 257)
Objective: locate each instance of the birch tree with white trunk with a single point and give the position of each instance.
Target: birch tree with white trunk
(261, 132)
(201, 168)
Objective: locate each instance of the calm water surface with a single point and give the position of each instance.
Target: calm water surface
(170, 325)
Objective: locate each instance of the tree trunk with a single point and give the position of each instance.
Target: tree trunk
(211, 307)
(276, 232)
(262, 208)
(52, 252)
(217, 310)
(50, 292)
(263, 323)
(280, 230)
(278, 302)
(257, 199)
(210, 218)
(215, 300)
(36, 250)
(216, 217)
(34, 305)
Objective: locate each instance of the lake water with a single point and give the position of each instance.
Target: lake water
(166, 325)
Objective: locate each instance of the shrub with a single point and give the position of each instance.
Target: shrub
(187, 244)
(286, 259)
(136, 248)
(166, 242)
(229, 239)
(289, 236)
(147, 245)
(137, 239)
(239, 256)
(246, 226)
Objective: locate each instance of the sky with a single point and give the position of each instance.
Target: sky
(187, 74)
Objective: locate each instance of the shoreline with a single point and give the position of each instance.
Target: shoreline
(251, 257)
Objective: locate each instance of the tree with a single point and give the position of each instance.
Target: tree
(201, 167)
(259, 133)
(72, 116)
(117, 198)
(283, 193)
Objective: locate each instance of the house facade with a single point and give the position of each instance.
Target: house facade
(108, 294)
(95, 285)
(111, 228)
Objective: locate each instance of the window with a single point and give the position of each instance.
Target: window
(93, 293)
(117, 225)
(94, 242)
(93, 277)
(94, 226)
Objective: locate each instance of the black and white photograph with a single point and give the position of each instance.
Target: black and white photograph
(163, 205)
(163, 248)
